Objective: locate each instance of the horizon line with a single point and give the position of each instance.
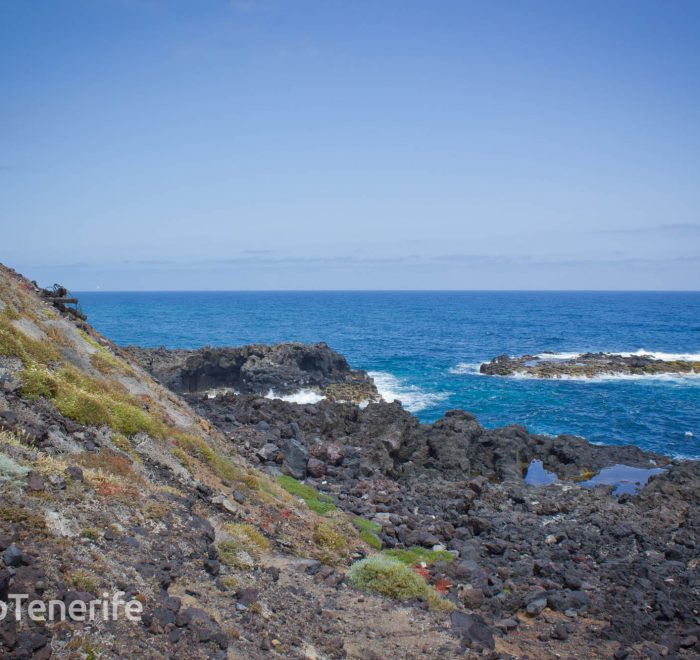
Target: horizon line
(81, 291)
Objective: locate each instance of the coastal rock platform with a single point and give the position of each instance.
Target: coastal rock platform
(587, 365)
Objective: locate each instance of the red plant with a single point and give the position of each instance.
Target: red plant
(443, 586)
(422, 571)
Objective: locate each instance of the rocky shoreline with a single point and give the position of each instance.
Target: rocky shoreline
(630, 563)
(586, 365)
(243, 523)
(282, 369)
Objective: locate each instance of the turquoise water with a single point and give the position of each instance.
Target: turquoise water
(425, 347)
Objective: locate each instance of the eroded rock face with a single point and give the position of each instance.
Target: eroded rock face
(586, 365)
(259, 369)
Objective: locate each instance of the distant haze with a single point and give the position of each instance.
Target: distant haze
(351, 144)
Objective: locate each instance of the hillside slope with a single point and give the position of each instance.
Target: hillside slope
(110, 482)
(492, 543)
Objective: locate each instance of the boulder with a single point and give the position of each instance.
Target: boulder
(296, 458)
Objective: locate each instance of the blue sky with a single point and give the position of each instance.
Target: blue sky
(356, 144)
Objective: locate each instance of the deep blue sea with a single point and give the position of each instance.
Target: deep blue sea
(425, 347)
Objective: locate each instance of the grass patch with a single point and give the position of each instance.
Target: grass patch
(90, 401)
(416, 555)
(368, 532)
(104, 361)
(37, 382)
(84, 581)
(371, 539)
(200, 449)
(230, 582)
(243, 545)
(249, 535)
(317, 502)
(9, 312)
(81, 407)
(327, 537)
(156, 510)
(31, 522)
(14, 343)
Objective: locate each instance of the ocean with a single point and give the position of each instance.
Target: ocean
(424, 348)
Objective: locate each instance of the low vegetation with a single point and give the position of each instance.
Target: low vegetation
(417, 555)
(196, 447)
(328, 537)
(84, 581)
(393, 579)
(14, 343)
(317, 502)
(242, 546)
(368, 532)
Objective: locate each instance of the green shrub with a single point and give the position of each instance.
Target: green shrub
(318, 502)
(388, 577)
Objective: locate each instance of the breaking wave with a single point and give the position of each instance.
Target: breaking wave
(301, 396)
(598, 378)
(412, 397)
(465, 368)
(657, 355)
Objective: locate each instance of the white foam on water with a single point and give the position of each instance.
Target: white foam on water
(656, 355)
(667, 357)
(670, 378)
(412, 397)
(213, 393)
(558, 356)
(301, 396)
(465, 368)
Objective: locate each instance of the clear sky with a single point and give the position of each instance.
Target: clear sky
(351, 144)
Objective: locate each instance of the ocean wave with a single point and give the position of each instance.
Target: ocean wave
(598, 378)
(558, 356)
(301, 396)
(667, 357)
(464, 368)
(412, 397)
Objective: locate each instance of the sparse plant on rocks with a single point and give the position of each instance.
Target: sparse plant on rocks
(416, 555)
(317, 502)
(368, 532)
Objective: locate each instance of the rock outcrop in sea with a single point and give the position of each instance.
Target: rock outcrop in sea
(281, 368)
(250, 526)
(587, 365)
